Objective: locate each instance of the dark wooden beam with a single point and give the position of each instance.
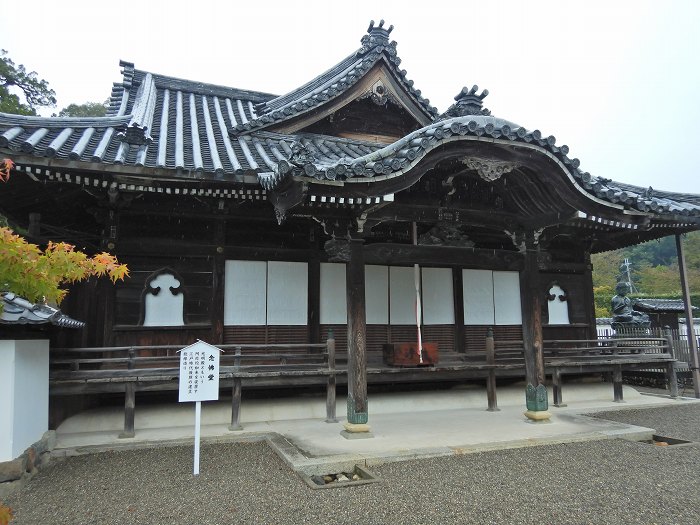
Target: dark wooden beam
(391, 253)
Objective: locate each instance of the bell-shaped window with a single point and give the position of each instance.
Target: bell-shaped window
(163, 300)
(557, 305)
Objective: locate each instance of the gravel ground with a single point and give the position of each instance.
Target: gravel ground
(611, 482)
(681, 421)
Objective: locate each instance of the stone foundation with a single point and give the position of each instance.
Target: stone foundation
(15, 474)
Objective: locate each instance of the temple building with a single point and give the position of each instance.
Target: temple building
(349, 205)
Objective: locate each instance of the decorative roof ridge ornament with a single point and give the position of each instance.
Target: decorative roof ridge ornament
(136, 132)
(377, 37)
(468, 102)
(489, 169)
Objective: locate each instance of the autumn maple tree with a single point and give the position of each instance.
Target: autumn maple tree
(40, 275)
(6, 166)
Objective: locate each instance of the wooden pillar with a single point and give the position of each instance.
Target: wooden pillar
(617, 385)
(330, 387)
(236, 392)
(218, 285)
(106, 291)
(589, 297)
(491, 379)
(314, 306)
(556, 388)
(531, 302)
(458, 295)
(671, 375)
(129, 401)
(357, 355)
(692, 341)
(533, 343)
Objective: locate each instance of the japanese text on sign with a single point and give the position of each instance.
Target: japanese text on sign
(199, 372)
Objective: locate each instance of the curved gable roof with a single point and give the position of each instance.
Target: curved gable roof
(338, 80)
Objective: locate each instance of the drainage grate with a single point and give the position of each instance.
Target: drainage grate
(664, 441)
(357, 476)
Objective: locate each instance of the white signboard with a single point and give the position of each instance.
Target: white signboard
(199, 381)
(199, 372)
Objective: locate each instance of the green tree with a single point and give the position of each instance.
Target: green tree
(606, 268)
(88, 109)
(36, 91)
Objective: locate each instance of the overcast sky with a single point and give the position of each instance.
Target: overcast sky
(618, 81)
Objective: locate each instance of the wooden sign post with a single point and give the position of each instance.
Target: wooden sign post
(199, 381)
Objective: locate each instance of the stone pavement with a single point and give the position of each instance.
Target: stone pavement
(404, 425)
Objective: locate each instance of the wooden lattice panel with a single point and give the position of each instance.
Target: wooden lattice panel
(475, 335)
(298, 334)
(442, 334)
(266, 335)
(245, 335)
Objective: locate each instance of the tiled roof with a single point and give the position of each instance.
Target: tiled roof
(190, 137)
(159, 126)
(337, 80)
(17, 310)
(660, 305)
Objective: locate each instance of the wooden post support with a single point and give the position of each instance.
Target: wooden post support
(671, 375)
(690, 327)
(236, 393)
(330, 388)
(491, 379)
(129, 401)
(556, 388)
(357, 355)
(129, 408)
(617, 385)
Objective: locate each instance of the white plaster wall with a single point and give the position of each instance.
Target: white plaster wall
(287, 293)
(402, 295)
(377, 294)
(245, 293)
(7, 398)
(334, 305)
(477, 291)
(438, 299)
(506, 298)
(24, 395)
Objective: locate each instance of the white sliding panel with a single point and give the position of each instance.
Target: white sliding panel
(506, 291)
(438, 300)
(377, 294)
(402, 295)
(287, 293)
(245, 292)
(333, 301)
(477, 289)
